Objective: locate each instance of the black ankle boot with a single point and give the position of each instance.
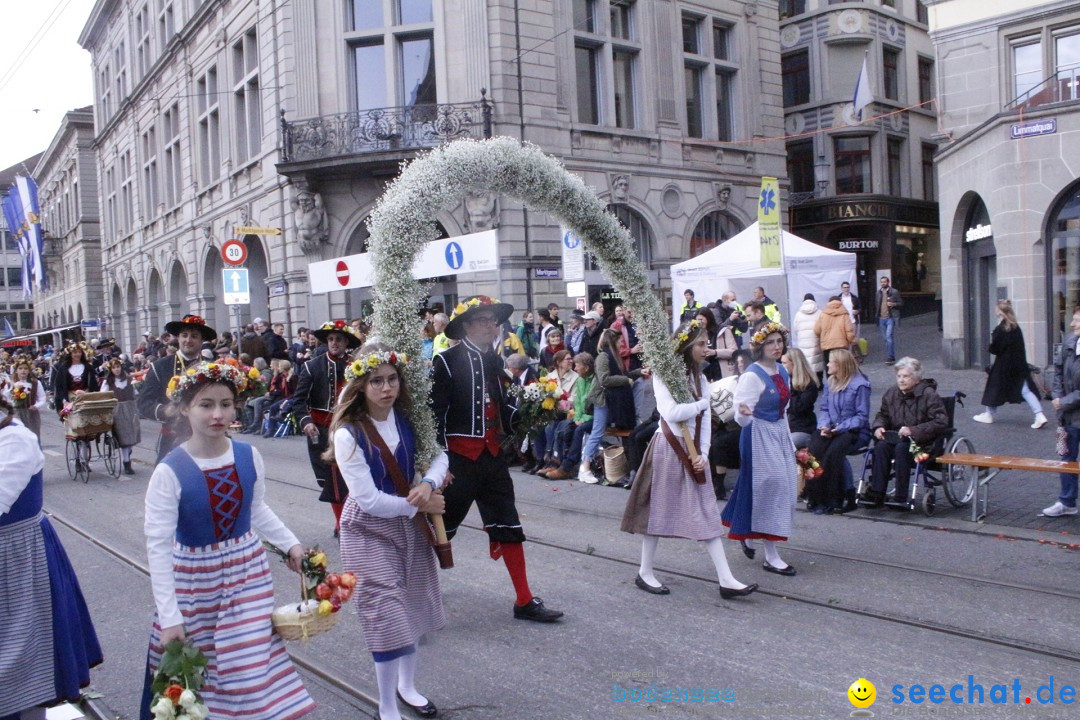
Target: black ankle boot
(127, 468)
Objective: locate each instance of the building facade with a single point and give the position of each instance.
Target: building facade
(68, 195)
(864, 184)
(1007, 169)
(215, 115)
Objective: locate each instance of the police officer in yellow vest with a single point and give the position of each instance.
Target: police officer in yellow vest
(690, 308)
(771, 311)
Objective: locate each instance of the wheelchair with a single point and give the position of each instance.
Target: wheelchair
(957, 482)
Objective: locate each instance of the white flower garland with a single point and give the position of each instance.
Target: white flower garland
(403, 221)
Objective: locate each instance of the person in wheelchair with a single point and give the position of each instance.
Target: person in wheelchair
(911, 412)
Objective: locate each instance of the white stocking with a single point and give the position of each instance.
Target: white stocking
(125, 454)
(406, 681)
(772, 556)
(386, 673)
(648, 554)
(723, 572)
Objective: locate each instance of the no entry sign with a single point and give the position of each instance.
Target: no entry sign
(342, 272)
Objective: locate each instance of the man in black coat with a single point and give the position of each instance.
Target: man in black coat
(191, 332)
(472, 416)
(317, 390)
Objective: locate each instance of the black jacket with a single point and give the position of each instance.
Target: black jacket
(1010, 369)
(321, 380)
(921, 410)
(459, 378)
(277, 348)
(151, 397)
(62, 384)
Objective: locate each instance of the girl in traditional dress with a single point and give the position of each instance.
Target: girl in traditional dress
(398, 597)
(74, 374)
(672, 495)
(208, 569)
(126, 426)
(762, 505)
(28, 410)
(47, 641)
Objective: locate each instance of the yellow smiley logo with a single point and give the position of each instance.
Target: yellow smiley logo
(862, 693)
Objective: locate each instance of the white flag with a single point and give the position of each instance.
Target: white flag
(864, 94)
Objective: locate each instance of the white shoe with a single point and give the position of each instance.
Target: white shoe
(1058, 509)
(984, 417)
(1040, 420)
(585, 475)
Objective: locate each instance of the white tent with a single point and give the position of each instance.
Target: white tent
(736, 265)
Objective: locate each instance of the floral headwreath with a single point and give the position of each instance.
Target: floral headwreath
(203, 373)
(766, 330)
(338, 326)
(685, 332)
(21, 360)
(369, 361)
(473, 302)
(84, 347)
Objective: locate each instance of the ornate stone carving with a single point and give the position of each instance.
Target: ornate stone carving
(481, 211)
(309, 219)
(620, 187)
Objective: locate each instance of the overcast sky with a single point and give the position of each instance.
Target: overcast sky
(53, 77)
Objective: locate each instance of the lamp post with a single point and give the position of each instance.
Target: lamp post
(821, 176)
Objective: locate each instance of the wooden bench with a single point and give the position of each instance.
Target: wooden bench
(998, 463)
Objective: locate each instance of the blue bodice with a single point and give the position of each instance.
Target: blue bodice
(405, 455)
(774, 398)
(28, 504)
(214, 505)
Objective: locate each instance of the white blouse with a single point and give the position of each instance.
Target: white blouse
(673, 412)
(20, 459)
(355, 471)
(162, 513)
(42, 399)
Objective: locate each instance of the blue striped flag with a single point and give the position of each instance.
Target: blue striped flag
(28, 193)
(13, 217)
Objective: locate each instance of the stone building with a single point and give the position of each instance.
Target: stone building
(214, 115)
(864, 184)
(1007, 170)
(66, 176)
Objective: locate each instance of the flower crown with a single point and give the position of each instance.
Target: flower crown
(766, 330)
(339, 326)
(21, 360)
(687, 331)
(84, 347)
(464, 307)
(367, 362)
(203, 373)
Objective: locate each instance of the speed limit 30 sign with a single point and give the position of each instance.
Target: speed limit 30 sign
(234, 252)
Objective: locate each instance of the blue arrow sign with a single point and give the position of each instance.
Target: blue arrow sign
(236, 287)
(454, 256)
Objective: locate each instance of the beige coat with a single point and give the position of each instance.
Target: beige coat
(834, 328)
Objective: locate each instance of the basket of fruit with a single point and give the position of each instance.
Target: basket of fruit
(322, 595)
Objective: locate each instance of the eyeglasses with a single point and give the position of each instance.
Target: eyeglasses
(385, 381)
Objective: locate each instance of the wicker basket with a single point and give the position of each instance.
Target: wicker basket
(291, 625)
(91, 414)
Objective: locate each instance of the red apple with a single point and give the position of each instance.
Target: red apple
(348, 580)
(333, 579)
(343, 593)
(335, 603)
(323, 591)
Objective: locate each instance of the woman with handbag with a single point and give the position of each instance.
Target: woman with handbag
(382, 542)
(672, 495)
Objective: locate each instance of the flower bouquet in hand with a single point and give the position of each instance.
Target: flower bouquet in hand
(919, 454)
(809, 468)
(256, 385)
(177, 683)
(20, 394)
(322, 593)
(537, 404)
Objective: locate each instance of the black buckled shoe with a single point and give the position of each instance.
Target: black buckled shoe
(787, 571)
(747, 550)
(662, 590)
(424, 711)
(536, 612)
(729, 593)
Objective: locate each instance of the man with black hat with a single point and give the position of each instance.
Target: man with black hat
(318, 387)
(190, 331)
(472, 416)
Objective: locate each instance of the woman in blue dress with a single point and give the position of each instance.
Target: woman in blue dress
(47, 641)
(762, 505)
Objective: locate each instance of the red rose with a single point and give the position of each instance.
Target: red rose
(173, 692)
(393, 358)
(339, 324)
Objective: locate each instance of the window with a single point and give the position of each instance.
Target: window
(247, 105)
(588, 105)
(392, 45)
(715, 228)
(173, 185)
(413, 11)
(926, 80)
(921, 13)
(585, 15)
(418, 71)
(639, 230)
(14, 279)
(622, 65)
(110, 202)
(127, 196)
(929, 183)
(166, 23)
(150, 190)
(105, 90)
(800, 164)
(120, 63)
(367, 14)
(890, 61)
(142, 41)
(1067, 65)
(851, 157)
(894, 155)
(791, 8)
(619, 25)
(795, 68)
(708, 77)
(206, 99)
(1027, 67)
(891, 3)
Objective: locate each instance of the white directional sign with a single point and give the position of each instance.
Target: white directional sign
(573, 256)
(475, 252)
(235, 282)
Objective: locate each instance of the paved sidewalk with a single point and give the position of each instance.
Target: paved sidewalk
(1015, 497)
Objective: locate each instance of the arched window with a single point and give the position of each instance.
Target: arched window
(715, 228)
(639, 231)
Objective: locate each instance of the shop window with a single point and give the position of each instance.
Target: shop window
(795, 68)
(714, 229)
(851, 156)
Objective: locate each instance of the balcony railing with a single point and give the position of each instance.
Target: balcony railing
(383, 130)
(1062, 86)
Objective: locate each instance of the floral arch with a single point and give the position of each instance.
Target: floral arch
(403, 220)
